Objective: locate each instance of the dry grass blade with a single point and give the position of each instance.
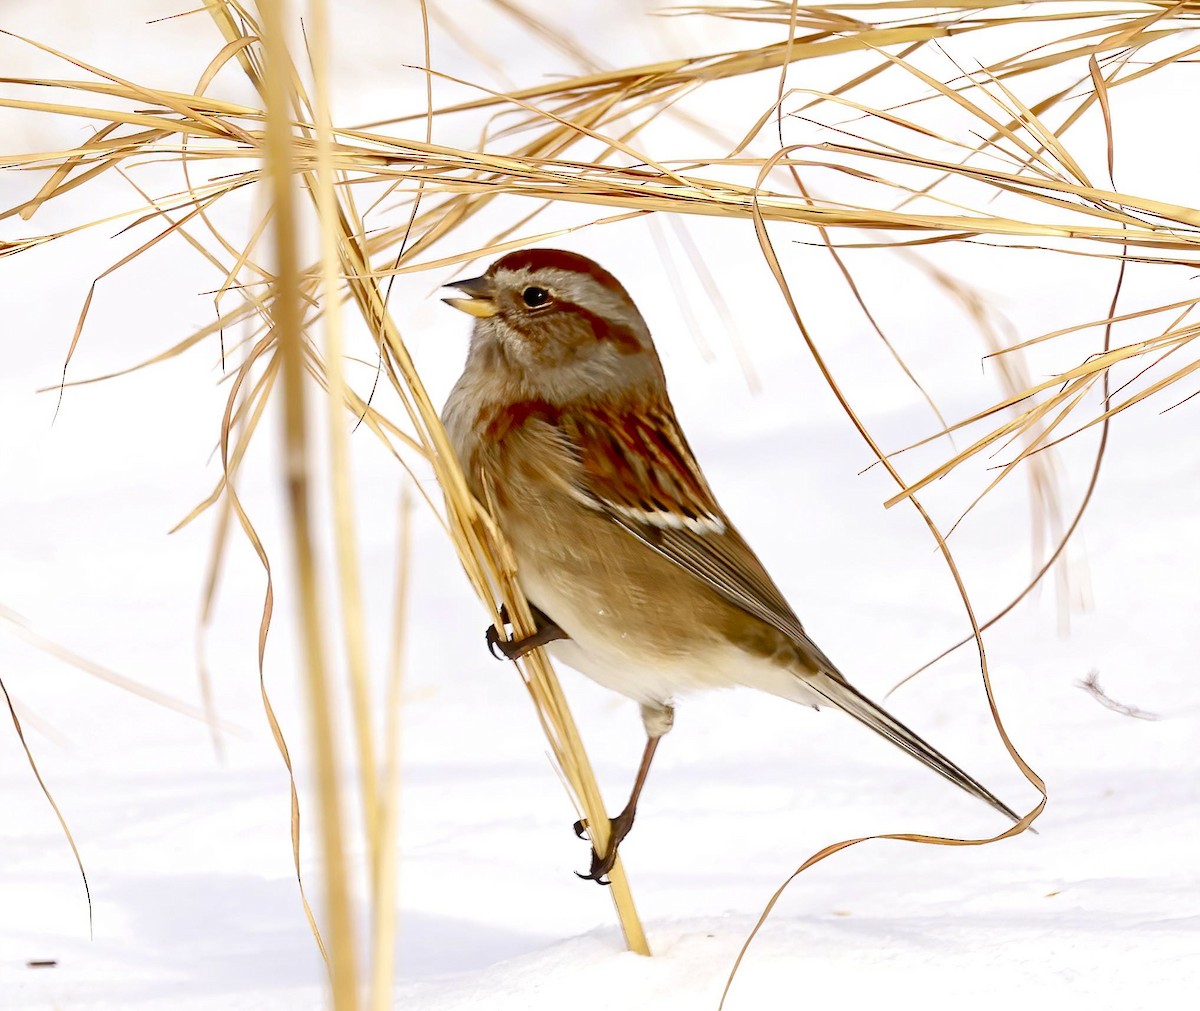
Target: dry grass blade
(22, 629)
(834, 848)
(208, 596)
(62, 821)
(1025, 822)
(1101, 93)
(1034, 779)
(1091, 685)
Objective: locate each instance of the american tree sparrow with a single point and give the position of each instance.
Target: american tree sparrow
(638, 579)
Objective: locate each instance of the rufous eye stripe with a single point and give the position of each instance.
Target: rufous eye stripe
(604, 329)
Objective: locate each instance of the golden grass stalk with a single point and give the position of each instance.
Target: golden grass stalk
(287, 325)
(384, 872)
(343, 505)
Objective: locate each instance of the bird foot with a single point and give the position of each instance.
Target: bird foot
(618, 829)
(513, 649)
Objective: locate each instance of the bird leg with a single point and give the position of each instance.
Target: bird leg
(513, 649)
(619, 826)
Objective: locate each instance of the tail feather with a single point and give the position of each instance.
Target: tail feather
(850, 700)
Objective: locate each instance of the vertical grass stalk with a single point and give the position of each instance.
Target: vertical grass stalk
(287, 323)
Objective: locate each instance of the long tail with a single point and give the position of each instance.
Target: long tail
(849, 699)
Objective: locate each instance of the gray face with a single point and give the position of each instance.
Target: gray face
(562, 333)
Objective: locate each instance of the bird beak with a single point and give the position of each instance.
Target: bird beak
(480, 303)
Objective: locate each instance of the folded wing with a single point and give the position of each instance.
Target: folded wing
(638, 468)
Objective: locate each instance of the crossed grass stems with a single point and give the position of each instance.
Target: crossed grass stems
(383, 201)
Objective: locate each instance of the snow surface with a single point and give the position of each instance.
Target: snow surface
(188, 854)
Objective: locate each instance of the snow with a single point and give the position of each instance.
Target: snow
(188, 853)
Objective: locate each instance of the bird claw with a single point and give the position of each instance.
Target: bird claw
(504, 648)
(600, 865)
(498, 641)
(596, 874)
(501, 649)
(618, 829)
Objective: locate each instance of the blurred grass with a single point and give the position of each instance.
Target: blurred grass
(894, 156)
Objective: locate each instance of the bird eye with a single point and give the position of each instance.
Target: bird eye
(535, 297)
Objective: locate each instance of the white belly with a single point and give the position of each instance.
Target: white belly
(614, 657)
(652, 680)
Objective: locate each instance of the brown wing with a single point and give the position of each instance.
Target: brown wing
(638, 468)
(637, 463)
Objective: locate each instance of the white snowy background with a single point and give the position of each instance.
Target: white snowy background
(188, 854)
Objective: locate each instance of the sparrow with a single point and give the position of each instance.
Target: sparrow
(562, 422)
